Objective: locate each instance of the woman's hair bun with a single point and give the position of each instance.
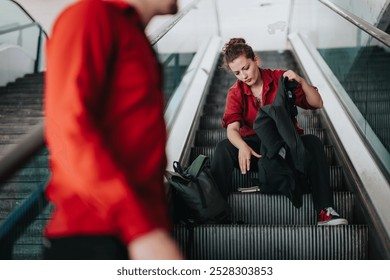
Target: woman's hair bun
(234, 41)
(234, 48)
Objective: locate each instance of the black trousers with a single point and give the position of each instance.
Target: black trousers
(84, 248)
(225, 159)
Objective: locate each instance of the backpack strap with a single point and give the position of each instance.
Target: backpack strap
(197, 165)
(177, 167)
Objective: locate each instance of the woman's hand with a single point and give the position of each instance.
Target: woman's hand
(313, 97)
(291, 75)
(244, 158)
(244, 151)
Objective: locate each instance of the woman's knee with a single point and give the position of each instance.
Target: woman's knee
(224, 150)
(223, 146)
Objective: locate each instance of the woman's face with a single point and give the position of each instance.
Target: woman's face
(246, 69)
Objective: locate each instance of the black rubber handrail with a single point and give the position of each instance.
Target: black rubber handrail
(16, 157)
(17, 222)
(27, 14)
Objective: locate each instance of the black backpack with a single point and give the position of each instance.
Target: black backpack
(196, 197)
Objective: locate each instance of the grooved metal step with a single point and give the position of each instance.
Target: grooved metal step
(209, 134)
(373, 107)
(364, 95)
(363, 85)
(280, 242)
(212, 118)
(273, 209)
(209, 151)
(245, 181)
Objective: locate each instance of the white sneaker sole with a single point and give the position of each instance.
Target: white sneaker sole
(333, 222)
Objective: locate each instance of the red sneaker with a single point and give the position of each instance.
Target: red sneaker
(329, 217)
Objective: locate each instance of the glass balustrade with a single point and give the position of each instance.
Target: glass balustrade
(361, 65)
(177, 48)
(370, 11)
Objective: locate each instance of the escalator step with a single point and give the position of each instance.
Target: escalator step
(267, 209)
(364, 85)
(376, 96)
(28, 252)
(214, 112)
(378, 120)
(7, 139)
(34, 174)
(209, 151)
(254, 242)
(9, 204)
(214, 109)
(16, 190)
(214, 120)
(245, 181)
(309, 121)
(319, 132)
(373, 107)
(31, 111)
(215, 98)
(210, 137)
(34, 90)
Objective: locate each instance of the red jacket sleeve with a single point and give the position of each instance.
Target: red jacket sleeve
(234, 107)
(108, 117)
(301, 99)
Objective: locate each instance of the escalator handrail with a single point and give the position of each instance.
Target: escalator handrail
(164, 29)
(359, 22)
(22, 152)
(18, 221)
